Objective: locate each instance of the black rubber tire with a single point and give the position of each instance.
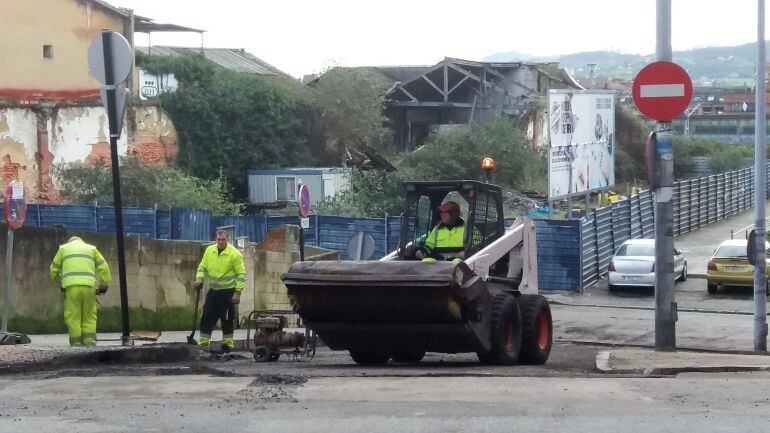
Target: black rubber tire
(536, 329)
(683, 277)
(362, 357)
(261, 354)
(408, 356)
(505, 322)
(612, 288)
(274, 356)
(712, 288)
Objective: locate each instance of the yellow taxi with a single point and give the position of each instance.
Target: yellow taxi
(729, 266)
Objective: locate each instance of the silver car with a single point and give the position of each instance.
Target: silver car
(634, 264)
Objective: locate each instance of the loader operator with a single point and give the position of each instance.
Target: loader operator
(449, 233)
(78, 269)
(223, 265)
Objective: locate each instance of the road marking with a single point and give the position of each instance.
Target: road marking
(661, 90)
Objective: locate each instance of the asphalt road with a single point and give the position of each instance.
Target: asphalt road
(198, 403)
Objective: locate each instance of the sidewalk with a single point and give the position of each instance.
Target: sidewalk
(650, 362)
(114, 339)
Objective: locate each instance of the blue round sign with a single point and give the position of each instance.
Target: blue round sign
(304, 200)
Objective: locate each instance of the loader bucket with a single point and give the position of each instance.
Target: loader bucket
(392, 305)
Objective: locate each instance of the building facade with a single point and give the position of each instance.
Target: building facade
(50, 108)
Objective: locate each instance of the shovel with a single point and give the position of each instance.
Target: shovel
(191, 337)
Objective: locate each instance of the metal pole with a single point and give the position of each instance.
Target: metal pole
(760, 294)
(665, 306)
(301, 230)
(112, 115)
(8, 279)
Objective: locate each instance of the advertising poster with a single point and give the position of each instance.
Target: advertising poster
(581, 151)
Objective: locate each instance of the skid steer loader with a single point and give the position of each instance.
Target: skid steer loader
(399, 307)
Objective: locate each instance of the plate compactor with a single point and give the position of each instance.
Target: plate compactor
(400, 307)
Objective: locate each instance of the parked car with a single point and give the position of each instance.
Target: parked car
(729, 266)
(634, 264)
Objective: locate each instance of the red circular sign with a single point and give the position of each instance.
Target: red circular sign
(304, 200)
(15, 205)
(662, 91)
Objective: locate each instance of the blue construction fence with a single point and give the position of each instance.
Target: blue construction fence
(330, 232)
(558, 241)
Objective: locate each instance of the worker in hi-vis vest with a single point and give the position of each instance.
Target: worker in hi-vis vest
(223, 265)
(81, 272)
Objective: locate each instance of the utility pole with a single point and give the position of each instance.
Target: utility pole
(760, 294)
(665, 306)
(592, 74)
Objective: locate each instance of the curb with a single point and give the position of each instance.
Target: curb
(604, 364)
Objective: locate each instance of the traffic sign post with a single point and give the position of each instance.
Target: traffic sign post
(15, 209)
(760, 179)
(110, 60)
(662, 91)
(304, 211)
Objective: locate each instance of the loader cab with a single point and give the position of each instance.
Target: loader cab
(481, 209)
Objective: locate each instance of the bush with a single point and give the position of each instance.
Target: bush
(723, 156)
(144, 186)
(447, 155)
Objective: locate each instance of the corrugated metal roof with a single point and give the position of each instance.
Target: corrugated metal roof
(234, 59)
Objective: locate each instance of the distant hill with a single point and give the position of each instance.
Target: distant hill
(733, 64)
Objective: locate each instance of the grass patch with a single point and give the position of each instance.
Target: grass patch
(109, 320)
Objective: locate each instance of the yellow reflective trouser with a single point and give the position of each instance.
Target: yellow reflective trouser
(80, 315)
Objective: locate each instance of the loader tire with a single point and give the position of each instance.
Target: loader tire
(505, 331)
(365, 357)
(408, 356)
(536, 330)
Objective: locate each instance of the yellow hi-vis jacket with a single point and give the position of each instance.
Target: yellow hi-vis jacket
(446, 237)
(79, 264)
(224, 270)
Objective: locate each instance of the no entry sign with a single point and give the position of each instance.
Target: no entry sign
(15, 205)
(304, 200)
(662, 91)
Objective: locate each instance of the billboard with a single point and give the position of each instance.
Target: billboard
(581, 150)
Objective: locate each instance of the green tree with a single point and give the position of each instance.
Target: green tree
(348, 111)
(233, 121)
(144, 186)
(631, 133)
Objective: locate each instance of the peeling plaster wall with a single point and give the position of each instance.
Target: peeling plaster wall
(80, 132)
(18, 136)
(31, 140)
(155, 140)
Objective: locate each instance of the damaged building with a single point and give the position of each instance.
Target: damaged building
(455, 93)
(458, 92)
(50, 108)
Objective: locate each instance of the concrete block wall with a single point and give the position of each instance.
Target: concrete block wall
(273, 258)
(159, 273)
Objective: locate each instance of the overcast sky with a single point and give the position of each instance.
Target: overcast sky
(303, 36)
